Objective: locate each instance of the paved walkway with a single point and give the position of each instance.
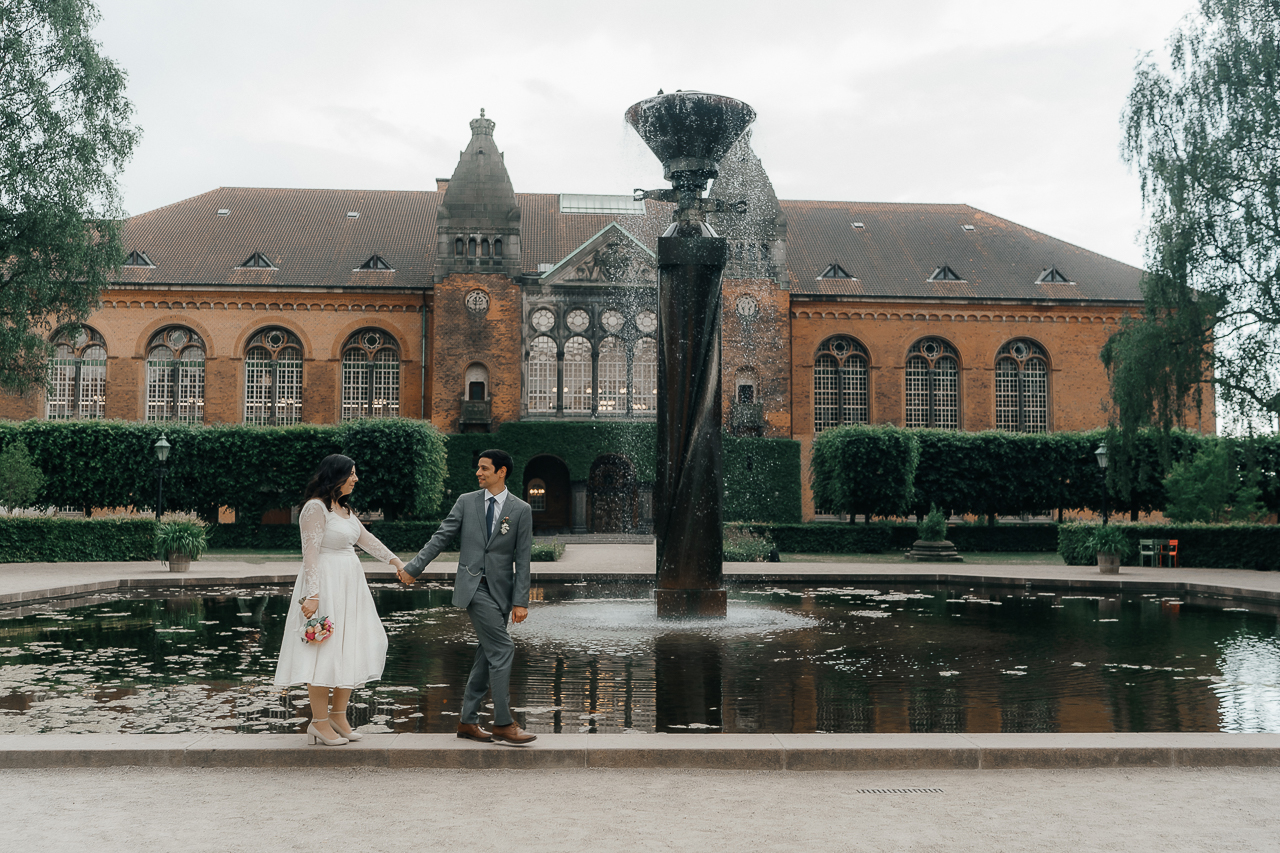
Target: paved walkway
(27, 581)
(161, 810)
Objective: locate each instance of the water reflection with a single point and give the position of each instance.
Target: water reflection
(594, 659)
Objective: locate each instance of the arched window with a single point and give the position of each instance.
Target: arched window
(497, 247)
(611, 371)
(476, 383)
(542, 375)
(745, 386)
(273, 378)
(459, 247)
(644, 376)
(471, 247)
(840, 385)
(175, 376)
(933, 385)
(77, 376)
(577, 375)
(370, 375)
(1022, 387)
(484, 248)
(536, 495)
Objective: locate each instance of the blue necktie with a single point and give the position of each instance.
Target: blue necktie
(488, 518)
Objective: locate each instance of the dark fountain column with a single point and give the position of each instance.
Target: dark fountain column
(689, 132)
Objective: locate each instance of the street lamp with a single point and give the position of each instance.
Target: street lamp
(1101, 453)
(162, 455)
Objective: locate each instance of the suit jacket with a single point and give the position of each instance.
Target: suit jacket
(501, 559)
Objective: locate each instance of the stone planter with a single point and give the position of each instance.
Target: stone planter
(179, 562)
(1108, 564)
(934, 552)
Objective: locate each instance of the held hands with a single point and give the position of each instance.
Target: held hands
(309, 607)
(403, 576)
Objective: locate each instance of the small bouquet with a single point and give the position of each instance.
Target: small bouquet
(317, 629)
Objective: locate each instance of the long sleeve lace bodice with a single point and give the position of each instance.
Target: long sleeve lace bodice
(372, 546)
(312, 521)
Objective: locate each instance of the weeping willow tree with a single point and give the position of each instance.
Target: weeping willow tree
(1203, 133)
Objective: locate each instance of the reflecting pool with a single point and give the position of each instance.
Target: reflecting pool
(593, 658)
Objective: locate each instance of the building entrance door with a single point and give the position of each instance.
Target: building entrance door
(613, 495)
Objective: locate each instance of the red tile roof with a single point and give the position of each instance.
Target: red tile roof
(312, 242)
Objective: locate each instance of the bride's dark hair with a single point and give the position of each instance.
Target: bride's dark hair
(328, 479)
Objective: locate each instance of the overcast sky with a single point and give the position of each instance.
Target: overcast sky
(1012, 107)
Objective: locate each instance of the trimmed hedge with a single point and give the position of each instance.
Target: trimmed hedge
(399, 536)
(878, 537)
(860, 470)
(1202, 546)
(980, 537)
(824, 538)
(60, 540)
(248, 468)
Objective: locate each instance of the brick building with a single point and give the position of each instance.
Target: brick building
(472, 305)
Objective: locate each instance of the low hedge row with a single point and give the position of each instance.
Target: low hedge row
(832, 538)
(399, 536)
(981, 537)
(61, 540)
(1204, 546)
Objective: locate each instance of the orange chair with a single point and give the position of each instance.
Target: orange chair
(1171, 551)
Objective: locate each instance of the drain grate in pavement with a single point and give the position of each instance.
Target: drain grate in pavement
(899, 790)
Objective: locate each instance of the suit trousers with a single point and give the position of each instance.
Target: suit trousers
(492, 668)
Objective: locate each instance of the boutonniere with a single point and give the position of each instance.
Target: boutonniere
(506, 528)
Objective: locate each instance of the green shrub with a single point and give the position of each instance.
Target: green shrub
(61, 540)
(546, 552)
(933, 527)
(1108, 539)
(864, 470)
(1205, 546)
(1209, 488)
(20, 479)
(179, 533)
(742, 545)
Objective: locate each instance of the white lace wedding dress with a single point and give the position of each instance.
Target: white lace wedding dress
(357, 651)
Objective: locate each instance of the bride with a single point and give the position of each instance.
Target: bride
(332, 584)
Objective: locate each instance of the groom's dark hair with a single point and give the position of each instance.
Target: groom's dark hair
(499, 458)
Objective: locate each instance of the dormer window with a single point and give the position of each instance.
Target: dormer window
(257, 261)
(375, 262)
(835, 271)
(944, 273)
(138, 259)
(1052, 276)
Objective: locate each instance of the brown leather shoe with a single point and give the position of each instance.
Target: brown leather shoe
(471, 731)
(513, 734)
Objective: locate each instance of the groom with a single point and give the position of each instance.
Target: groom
(492, 582)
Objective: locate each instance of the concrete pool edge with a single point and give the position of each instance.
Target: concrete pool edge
(736, 575)
(755, 752)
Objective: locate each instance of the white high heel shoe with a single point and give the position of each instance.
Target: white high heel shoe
(314, 736)
(352, 735)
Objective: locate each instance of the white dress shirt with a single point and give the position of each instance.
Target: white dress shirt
(499, 499)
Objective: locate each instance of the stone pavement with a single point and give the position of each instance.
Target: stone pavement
(28, 581)
(161, 810)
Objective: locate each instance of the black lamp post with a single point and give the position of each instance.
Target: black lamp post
(162, 455)
(1101, 453)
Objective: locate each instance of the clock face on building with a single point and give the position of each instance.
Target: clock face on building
(543, 319)
(647, 322)
(747, 306)
(578, 320)
(477, 302)
(612, 320)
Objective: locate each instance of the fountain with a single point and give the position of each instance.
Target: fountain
(689, 132)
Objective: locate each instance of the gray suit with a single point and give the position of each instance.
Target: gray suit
(502, 562)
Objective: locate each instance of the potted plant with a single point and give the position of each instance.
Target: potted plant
(1110, 544)
(932, 546)
(181, 539)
